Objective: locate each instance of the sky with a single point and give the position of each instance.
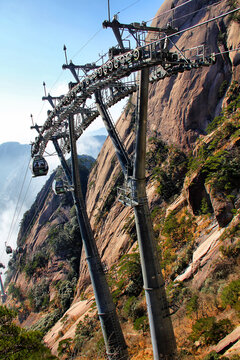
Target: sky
(32, 35)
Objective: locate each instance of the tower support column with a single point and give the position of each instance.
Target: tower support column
(162, 335)
(114, 341)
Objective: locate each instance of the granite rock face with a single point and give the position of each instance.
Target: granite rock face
(180, 107)
(222, 207)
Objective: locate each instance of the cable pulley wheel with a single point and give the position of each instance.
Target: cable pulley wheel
(136, 54)
(116, 63)
(122, 59)
(128, 57)
(110, 66)
(105, 69)
(100, 72)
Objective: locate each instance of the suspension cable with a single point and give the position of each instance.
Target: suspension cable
(170, 10)
(227, 51)
(20, 209)
(20, 193)
(39, 205)
(87, 42)
(196, 11)
(16, 207)
(127, 7)
(204, 22)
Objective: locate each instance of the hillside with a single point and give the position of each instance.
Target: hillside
(48, 252)
(193, 179)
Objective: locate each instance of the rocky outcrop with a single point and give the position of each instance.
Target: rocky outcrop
(180, 107)
(228, 343)
(207, 248)
(222, 206)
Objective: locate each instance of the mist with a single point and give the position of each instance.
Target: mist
(19, 189)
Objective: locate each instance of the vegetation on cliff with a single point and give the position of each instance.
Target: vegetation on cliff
(17, 343)
(58, 253)
(211, 184)
(196, 197)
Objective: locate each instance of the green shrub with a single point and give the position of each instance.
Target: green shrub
(141, 323)
(126, 278)
(100, 347)
(178, 231)
(192, 305)
(109, 201)
(65, 241)
(167, 165)
(215, 123)
(182, 260)
(204, 209)
(231, 251)
(212, 356)
(210, 331)
(66, 290)
(130, 271)
(133, 309)
(64, 347)
(171, 174)
(223, 169)
(157, 154)
(167, 186)
(39, 296)
(39, 260)
(231, 294)
(47, 322)
(15, 291)
(85, 331)
(224, 85)
(17, 343)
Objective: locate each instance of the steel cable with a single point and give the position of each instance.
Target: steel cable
(15, 211)
(20, 193)
(170, 10)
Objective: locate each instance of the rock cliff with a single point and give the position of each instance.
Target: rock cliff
(193, 192)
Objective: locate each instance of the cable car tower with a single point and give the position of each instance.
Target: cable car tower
(3, 293)
(66, 122)
(114, 340)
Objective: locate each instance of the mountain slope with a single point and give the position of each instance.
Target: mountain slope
(199, 247)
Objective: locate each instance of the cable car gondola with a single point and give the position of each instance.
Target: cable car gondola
(20, 250)
(59, 187)
(2, 266)
(8, 249)
(39, 166)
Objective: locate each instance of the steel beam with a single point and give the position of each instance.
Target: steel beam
(162, 335)
(119, 147)
(64, 164)
(114, 341)
(3, 294)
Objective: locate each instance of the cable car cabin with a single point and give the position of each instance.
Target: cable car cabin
(2, 266)
(59, 187)
(20, 250)
(8, 249)
(39, 166)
